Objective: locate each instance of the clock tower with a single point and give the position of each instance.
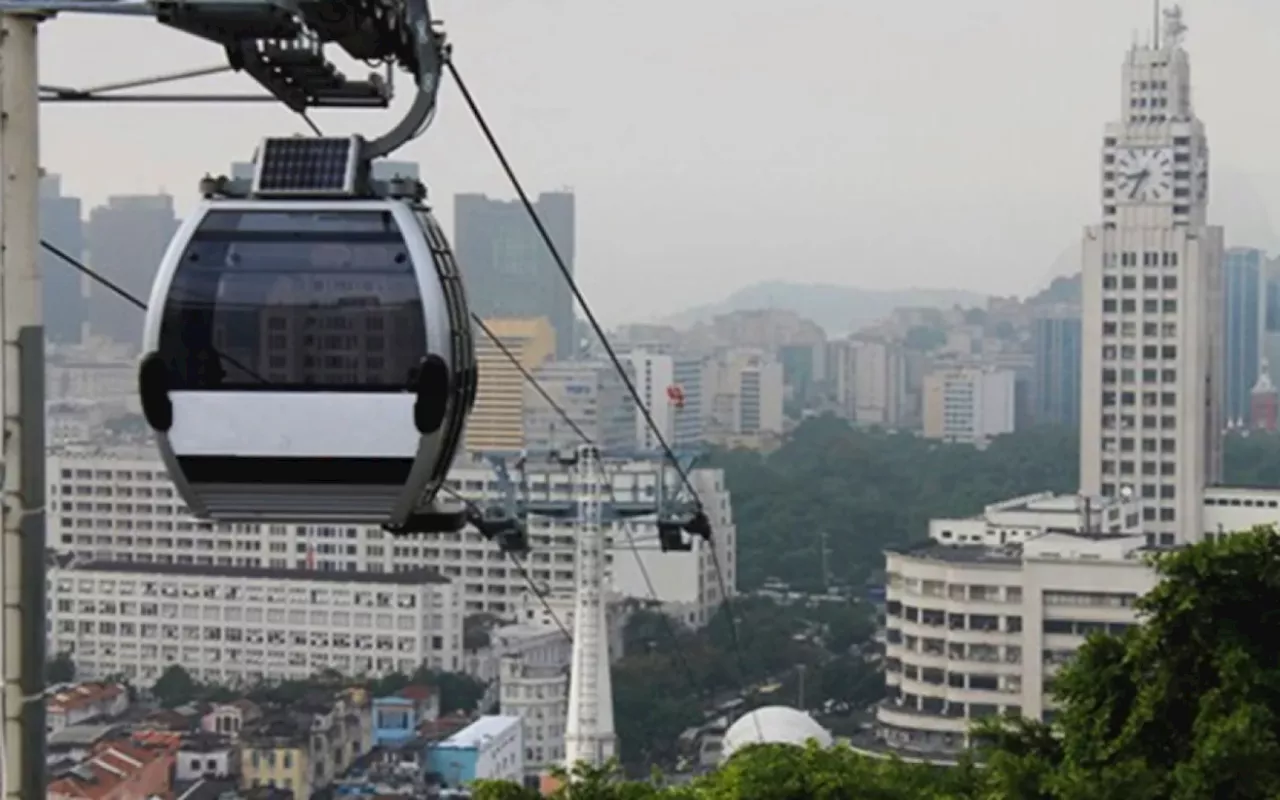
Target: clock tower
(1151, 380)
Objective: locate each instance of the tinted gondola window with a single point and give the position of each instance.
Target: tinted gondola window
(274, 300)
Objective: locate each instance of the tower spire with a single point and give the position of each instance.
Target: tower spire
(1155, 24)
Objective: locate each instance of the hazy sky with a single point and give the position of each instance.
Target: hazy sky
(717, 143)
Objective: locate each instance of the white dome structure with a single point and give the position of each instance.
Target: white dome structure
(775, 725)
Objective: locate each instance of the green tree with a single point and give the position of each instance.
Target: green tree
(869, 489)
(1185, 706)
(60, 669)
(175, 687)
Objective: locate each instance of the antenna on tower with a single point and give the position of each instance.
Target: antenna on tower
(1174, 27)
(1155, 24)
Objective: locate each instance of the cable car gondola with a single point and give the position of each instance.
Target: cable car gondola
(307, 350)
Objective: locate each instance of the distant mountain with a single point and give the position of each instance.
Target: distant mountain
(1065, 289)
(838, 309)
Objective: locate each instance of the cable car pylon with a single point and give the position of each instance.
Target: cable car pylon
(590, 734)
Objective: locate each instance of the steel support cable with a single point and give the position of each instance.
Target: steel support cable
(524, 571)
(501, 155)
(652, 424)
(130, 298)
(528, 376)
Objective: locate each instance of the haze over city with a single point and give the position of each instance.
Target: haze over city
(942, 458)
(713, 145)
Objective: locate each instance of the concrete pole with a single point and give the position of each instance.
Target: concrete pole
(22, 542)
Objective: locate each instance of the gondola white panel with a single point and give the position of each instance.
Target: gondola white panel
(293, 424)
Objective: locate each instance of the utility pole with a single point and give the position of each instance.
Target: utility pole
(800, 668)
(589, 731)
(22, 635)
(822, 553)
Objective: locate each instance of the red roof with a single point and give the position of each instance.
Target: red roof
(83, 696)
(417, 692)
(111, 764)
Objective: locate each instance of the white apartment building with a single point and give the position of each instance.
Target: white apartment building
(878, 380)
(245, 624)
(534, 686)
(968, 404)
(688, 424)
(591, 395)
(742, 396)
(491, 748)
(1153, 357)
(118, 504)
(654, 374)
(981, 616)
(1234, 509)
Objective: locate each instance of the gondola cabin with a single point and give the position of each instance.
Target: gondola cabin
(307, 350)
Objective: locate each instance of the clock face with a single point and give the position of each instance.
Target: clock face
(1144, 175)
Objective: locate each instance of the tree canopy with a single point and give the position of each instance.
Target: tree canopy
(867, 489)
(660, 688)
(1183, 706)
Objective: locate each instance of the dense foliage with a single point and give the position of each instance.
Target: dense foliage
(661, 687)
(866, 489)
(1185, 706)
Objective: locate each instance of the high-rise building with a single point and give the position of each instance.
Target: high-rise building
(1055, 377)
(591, 395)
(65, 305)
(1152, 371)
(742, 397)
(508, 269)
(688, 425)
(126, 239)
(497, 421)
(1243, 308)
(968, 404)
(879, 380)
(654, 377)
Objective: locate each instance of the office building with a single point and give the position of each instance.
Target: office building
(687, 421)
(508, 269)
(968, 404)
(1243, 308)
(497, 421)
(65, 302)
(126, 239)
(741, 397)
(119, 505)
(490, 749)
(1055, 371)
(654, 379)
(591, 394)
(236, 625)
(1152, 372)
(877, 380)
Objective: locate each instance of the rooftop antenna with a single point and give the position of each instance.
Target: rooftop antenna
(1155, 24)
(1174, 28)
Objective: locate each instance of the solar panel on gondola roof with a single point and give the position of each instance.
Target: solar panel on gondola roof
(293, 166)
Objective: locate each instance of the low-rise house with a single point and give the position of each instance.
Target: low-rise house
(121, 769)
(83, 703)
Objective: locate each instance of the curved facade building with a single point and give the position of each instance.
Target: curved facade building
(975, 630)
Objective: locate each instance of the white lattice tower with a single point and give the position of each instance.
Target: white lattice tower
(589, 734)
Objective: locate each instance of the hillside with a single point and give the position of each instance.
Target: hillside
(838, 309)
